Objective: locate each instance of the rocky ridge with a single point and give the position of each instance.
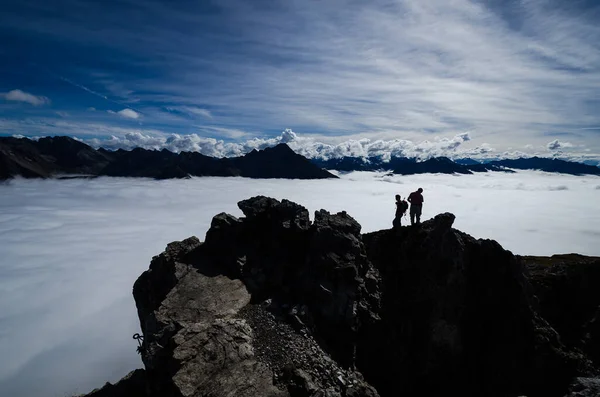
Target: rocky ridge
(66, 157)
(272, 304)
(444, 165)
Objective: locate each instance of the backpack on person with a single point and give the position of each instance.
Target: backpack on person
(403, 206)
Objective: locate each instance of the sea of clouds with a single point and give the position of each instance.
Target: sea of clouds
(71, 250)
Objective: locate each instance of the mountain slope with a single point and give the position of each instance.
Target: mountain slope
(548, 165)
(443, 165)
(48, 157)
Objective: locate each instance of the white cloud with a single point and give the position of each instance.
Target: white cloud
(208, 142)
(129, 114)
(91, 109)
(21, 96)
(87, 313)
(306, 146)
(556, 145)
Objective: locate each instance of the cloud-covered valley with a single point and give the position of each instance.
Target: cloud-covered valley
(72, 249)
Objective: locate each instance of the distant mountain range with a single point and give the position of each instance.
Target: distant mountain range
(60, 156)
(63, 157)
(443, 165)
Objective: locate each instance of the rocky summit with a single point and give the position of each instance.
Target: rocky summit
(274, 304)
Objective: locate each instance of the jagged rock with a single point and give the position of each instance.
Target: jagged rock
(458, 318)
(592, 338)
(585, 387)
(284, 213)
(132, 385)
(568, 295)
(203, 335)
(272, 305)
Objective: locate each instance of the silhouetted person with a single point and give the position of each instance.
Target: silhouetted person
(401, 207)
(416, 206)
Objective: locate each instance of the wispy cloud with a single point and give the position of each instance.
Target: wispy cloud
(21, 96)
(191, 110)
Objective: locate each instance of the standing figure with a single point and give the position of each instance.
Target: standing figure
(401, 207)
(416, 206)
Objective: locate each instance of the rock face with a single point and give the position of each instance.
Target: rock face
(132, 385)
(459, 315)
(569, 298)
(269, 305)
(63, 155)
(272, 304)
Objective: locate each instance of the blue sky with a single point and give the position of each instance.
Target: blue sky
(514, 76)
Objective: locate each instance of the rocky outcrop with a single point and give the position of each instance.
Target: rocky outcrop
(568, 297)
(269, 305)
(458, 315)
(51, 156)
(272, 304)
(132, 385)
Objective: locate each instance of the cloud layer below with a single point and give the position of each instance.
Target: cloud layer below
(72, 249)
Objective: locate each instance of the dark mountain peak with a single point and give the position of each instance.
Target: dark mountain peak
(274, 305)
(64, 155)
(441, 160)
(143, 150)
(281, 148)
(278, 162)
(59, 139)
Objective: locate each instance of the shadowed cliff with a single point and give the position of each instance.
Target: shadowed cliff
(272, 304)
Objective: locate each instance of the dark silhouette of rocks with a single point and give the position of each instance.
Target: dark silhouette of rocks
(272, 304)
(63, 156)
(132, 385)
(407, 166)
(459, 314)
(47, 157)
(569, 298)
(435, 165)
(443, 165)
